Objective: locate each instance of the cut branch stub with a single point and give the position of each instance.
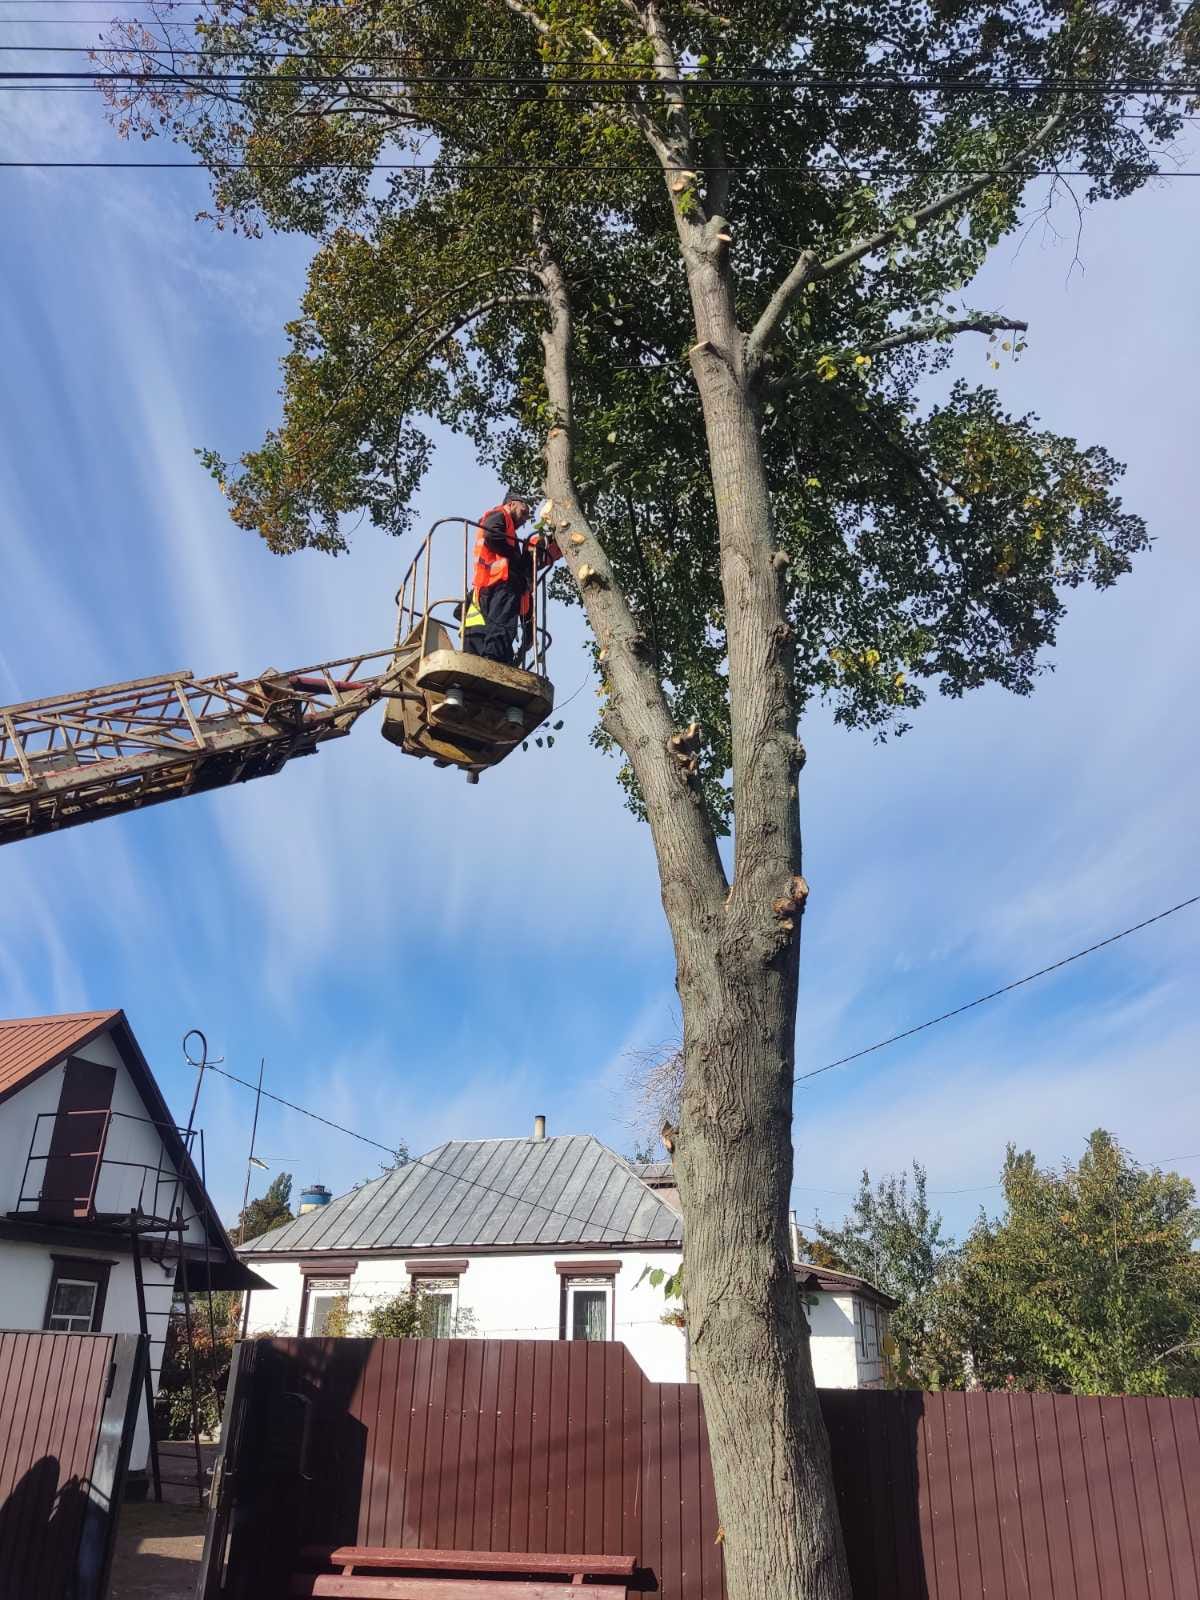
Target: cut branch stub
(589, 577)
(685, 748)
(577, 538)
(792, 903)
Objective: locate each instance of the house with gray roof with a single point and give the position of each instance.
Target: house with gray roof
(533, 1238)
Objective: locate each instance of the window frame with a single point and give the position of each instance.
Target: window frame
(311, 1281)
(427, 1286)
(588, 1284)
(78, 1269)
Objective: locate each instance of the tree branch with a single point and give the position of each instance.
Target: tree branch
(944, 327)
(637, 716)
(809, 268)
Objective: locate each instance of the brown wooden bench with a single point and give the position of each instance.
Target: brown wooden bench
(379, 1572)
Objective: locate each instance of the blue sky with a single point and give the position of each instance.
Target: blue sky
(343, 921)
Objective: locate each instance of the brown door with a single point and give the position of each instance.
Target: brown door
(76, 1139)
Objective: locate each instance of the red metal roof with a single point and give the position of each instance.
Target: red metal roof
(29, 1045)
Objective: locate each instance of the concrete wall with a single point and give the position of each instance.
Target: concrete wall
(517, 1297)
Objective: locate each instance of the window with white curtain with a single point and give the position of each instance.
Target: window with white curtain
(589, 1308)
(438, 1308)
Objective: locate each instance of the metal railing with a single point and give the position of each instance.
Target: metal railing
(156, 1175)
(416, 608)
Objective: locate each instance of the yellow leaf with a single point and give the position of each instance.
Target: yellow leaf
(812, 483)
(862, 361)
(898, 680)
(872, 658)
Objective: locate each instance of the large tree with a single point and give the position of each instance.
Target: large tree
(689, 270)
(1088, 1284)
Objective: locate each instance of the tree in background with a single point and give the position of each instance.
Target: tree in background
(212, 1349)
(893, 1239)
(1089, 1284)
(690, 270)
(652, 1097)
(270, 1210)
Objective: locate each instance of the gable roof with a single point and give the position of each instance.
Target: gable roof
(30, 1046)
(540, 1193)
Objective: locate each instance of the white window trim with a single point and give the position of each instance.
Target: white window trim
(64, 1321)
(442, 1286)
(590, 1286)
(316, 1289)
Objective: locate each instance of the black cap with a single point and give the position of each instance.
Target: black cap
(518, 494)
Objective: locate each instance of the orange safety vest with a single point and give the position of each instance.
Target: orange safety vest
(491, 566)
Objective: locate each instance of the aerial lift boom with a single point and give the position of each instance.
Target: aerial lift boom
(73, 758)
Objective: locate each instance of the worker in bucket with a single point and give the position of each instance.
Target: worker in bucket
(499, 580)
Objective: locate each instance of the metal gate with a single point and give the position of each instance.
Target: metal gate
(68, 1408)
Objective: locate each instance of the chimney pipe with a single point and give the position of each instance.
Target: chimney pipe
(539, 1128)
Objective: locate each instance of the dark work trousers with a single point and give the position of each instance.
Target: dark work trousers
(501, 607)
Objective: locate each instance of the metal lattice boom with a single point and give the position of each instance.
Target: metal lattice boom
(73, 758)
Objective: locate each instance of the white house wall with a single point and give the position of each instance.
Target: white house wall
(137, 1142)
(25, 1271)
(517, 1297)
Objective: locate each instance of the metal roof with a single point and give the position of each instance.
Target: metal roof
(30, 1045)
(567, 1190)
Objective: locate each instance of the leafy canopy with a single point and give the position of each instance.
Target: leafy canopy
(892, 1238)
(1090, 1284)
(269, 1210)
(929, 543)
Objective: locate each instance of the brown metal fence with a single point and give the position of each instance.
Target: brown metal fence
(566, 1447)
(1018, 1496)
(67, 1412)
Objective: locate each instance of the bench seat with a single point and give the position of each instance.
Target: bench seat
(407, 1573)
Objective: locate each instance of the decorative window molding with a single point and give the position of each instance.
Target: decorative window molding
(425, 1268)
(589, 1269)
(328, 1285)
(328, 1266)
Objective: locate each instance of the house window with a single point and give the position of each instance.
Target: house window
(589, 1308)
(75, 1303)
(321, 1296)
(870, 1333)
(437, 1307)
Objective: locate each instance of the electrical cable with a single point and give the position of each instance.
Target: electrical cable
(753, 168)
(994, 994)
(418, 1161)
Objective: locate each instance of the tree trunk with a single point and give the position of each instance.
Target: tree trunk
(745, 1316)
(749, 1332)
(736, 952)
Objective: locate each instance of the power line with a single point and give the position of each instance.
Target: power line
(417, 1161)
(792, 83)
(497, 167)
(996, 993)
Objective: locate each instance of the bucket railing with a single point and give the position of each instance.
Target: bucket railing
(416, 606)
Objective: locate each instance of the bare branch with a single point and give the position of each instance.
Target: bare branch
(809, 268)
(920, 333)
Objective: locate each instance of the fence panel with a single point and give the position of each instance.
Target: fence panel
(68, 1404)
(565, 1446)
